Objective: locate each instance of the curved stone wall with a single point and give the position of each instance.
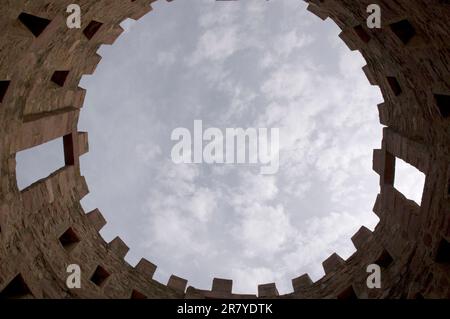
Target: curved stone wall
(43, 228)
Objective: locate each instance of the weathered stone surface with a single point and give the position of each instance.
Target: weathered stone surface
(222, 285)
(332, 263)
(301, 282)
(145, 267)
(177, 283)
(268, 291)
(362, 237)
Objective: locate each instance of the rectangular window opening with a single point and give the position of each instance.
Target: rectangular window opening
(409, 181)
(69, 239)
(59, 77)
(100, 275)
(36, 163)
(16, 289)
(403, 30)
(92, 29)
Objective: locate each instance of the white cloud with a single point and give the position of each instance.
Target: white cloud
(288, 82)
(216, 45)
(245, 278)
(193, 219)
(319, 238)
(166, 58)
(146, 153)
(282, 47)
(262, 230)
(202, 204)
(253, 188)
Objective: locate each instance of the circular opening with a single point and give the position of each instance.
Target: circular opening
(251, 64)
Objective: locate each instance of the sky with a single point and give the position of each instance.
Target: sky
(233, 64)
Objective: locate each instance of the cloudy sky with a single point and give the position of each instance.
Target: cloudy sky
(230, 64)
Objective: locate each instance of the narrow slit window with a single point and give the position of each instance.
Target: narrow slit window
(409, 181)
(35, 24)
(69, 150)
(443, 103)
(443, 252)
(39, 162)
(3, 88)
(448, 187)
